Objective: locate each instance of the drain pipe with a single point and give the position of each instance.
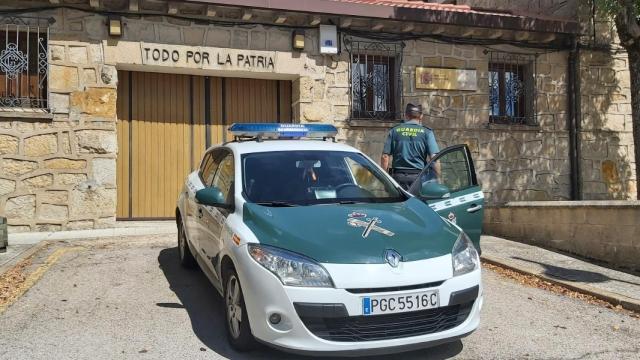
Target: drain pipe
(574, 119)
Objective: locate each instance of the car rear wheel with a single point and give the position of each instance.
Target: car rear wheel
(186, 257)
(238, 329)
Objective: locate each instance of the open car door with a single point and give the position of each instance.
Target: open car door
(450, 186)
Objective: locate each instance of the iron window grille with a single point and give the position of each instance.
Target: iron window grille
(375, 78)
(24, 62)
(512, 92)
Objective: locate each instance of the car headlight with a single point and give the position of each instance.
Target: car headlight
(465, 256)
(292, 269)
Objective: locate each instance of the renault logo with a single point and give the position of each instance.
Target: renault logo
(392, 258)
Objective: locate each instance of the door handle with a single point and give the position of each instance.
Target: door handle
(200, 213)
(474, 208)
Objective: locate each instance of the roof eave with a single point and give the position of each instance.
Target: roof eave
(475, 19)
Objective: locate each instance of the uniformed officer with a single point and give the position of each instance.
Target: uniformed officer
(411, 146)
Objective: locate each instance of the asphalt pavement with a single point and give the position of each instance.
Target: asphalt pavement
(129, 298)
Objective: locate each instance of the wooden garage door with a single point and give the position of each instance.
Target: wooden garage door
(166, 122)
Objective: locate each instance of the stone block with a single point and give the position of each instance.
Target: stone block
(65, 164)
(104, 171)
(434, 61)
(96, 141)
(510, 149)
(95, 27)
(78, 54)
(21, 207)
(95, 53)
(63, 78)
(454, 63)
(8, 145)
(50, 212)
(70, 179)
(240, 39)
(57, 197)
(7, 186)
(477, 101)
(317, 112)
(41, 145)
(48, 227)
(59, 103)
(80, 225)
(258, 40)
(109, 75)
(57, 52)
(95, 101)
(89, 77)
(168, 34)
(279, 40)
(37, 182)
(218, 37)
(193, 35)
(91, 202)
(16, 167)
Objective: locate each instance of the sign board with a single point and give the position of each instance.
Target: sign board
(328, 39)
(207, 58)
(446, 79)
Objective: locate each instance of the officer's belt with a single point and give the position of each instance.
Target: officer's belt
(404, 171)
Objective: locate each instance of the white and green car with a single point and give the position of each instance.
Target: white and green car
(317, 250)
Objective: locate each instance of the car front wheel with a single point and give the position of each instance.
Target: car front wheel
(238, 329)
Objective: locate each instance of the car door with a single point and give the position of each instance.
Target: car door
(462, 200)
(210, 162)
(212, 219)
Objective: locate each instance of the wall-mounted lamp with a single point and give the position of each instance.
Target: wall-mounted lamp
(298, 40)
(115, 26)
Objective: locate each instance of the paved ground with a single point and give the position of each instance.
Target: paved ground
(130, 299)
(569, 269)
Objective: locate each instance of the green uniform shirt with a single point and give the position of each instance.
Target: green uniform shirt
(410, 144)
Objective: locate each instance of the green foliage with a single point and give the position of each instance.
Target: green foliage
(612, 7)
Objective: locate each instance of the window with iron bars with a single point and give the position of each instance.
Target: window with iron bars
(375, 79)
(24, 63)
(512, 94)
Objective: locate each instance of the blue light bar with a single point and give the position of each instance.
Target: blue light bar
(275, 130)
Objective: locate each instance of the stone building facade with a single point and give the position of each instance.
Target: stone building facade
(59, 167)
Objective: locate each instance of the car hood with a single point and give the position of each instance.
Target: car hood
(340, 234)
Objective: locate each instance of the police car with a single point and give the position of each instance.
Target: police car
(315, 249)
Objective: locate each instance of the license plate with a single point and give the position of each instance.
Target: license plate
(391, 304)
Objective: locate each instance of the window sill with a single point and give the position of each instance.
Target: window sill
(515, 127)
(371, 123)
(14, 113)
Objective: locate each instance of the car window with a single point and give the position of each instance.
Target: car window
(224, 178)
(210, 165)
(454, 171)
(315, 177)
(364, 178)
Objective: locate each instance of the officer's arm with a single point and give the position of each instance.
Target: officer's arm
(433, 149)
(384, 162)
(386, 151)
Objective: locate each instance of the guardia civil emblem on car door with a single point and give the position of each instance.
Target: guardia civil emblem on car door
(359, 219)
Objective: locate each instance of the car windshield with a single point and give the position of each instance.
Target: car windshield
(290, 178)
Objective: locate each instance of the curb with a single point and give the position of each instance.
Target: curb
(36, 237)
(613, 298)
(23, 255)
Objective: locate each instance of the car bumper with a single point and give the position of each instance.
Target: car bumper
(265, 295)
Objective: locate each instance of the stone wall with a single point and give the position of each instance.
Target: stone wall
(513, 162)
(601, 230)
(58, 172)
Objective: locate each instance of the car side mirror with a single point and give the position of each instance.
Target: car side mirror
(211, 196)
(432, 190)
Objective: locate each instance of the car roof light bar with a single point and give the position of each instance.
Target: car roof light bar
(261, 131)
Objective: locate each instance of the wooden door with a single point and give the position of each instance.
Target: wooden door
(166, 122)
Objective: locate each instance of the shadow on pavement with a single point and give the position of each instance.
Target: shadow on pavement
(205, 308)
(573, 274)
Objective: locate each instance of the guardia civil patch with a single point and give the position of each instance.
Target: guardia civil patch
(357, 219)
